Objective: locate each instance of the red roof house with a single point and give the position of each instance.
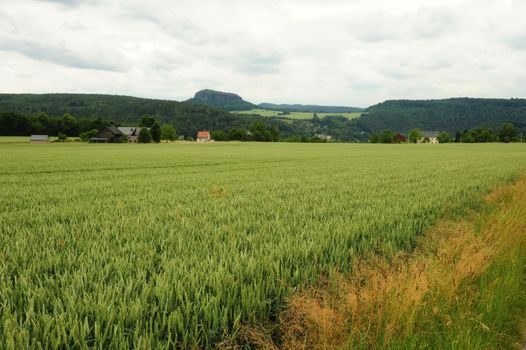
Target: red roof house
(203, 136)
(399, 138)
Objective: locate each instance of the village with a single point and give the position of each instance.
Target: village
(126, 134)
(114, 134)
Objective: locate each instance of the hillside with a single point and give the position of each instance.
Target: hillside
(120, 108)
(448, 114)
(309, 108)
(123, 110)
(223, 100)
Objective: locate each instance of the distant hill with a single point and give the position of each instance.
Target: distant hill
(233, 102)
(309, 108)
(218, 99)
(448, 114)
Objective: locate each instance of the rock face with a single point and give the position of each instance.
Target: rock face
(218, 99)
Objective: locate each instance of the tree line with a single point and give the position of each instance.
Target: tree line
(506, 132)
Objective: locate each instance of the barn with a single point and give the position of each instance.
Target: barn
(109, 135)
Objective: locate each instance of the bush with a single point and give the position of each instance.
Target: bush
(85, 136)
(62, 137)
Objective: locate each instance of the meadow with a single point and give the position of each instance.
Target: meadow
(296, 115)
(179, 245)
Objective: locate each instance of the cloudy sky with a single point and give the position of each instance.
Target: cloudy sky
(343, 52)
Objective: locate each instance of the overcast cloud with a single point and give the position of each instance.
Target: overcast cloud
(344, 52)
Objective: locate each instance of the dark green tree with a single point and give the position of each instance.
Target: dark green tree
(374, 138)
(458, 137)
(508, 132)
(444, 137)
(144, 136)
(387, 136)
(219, 135)
(147, 121)
(69, 124)
(238, 134)
(155, 132)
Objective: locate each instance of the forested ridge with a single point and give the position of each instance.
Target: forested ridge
(451, 115)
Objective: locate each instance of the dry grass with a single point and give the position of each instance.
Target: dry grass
(387, 300)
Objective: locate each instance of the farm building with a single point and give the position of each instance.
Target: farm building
(109, 135)
(39, 138)
(429, 137)
(399, 138)
(132, 132)
(203, 136)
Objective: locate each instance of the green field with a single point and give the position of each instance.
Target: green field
(296, 115)
(175, 245)
(25, 139)
(14, 139)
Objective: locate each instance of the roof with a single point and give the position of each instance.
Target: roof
(39, 138)
(114, 130)
(203, 134)
(429, 134)
(127, 130)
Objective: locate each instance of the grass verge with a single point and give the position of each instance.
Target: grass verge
(463, 287)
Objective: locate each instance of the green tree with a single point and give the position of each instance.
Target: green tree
(155, 132)
(168, 132)
(238, 134)
(69, 124)
(374, 138)
(147, 121)
(508, 132)
(219, 135)
(144, 136)
(444, 137)
(414, 135)
(387, 136)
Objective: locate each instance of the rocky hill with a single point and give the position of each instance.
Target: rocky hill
(218, 99)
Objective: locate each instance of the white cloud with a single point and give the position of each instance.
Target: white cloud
(355, 52)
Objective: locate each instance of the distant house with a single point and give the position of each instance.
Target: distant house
(131, 132)
(39, 138)
(429, 137)
(109, 135)
(399, 138)
(203, 136)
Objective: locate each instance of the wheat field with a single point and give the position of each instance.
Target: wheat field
(178, 245)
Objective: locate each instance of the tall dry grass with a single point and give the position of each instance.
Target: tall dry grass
(462, 287)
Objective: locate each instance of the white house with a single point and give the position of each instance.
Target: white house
(429, 137)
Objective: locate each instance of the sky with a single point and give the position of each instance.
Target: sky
(332, 52)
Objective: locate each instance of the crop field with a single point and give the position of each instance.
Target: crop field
(296, 115)
(14, 139)
(178, 245)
